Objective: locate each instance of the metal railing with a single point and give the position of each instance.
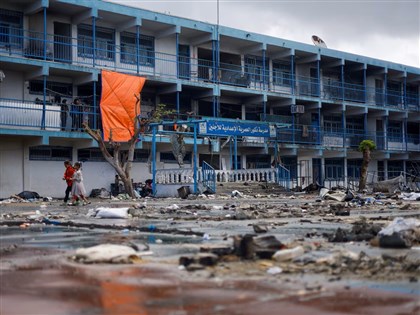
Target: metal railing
(283, 177)
(126, 57)
(70, 117)
(208, 176)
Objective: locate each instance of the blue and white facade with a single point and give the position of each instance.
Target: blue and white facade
(320, 102)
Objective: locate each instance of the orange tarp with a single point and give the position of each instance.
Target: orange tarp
(118, 104)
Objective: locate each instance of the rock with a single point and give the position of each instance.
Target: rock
(260, 228)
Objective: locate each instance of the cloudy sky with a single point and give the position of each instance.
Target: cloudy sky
(383, 29)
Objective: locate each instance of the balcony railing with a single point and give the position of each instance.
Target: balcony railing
(19, 114)
(127, 58)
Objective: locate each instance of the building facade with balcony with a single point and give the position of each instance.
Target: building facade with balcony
(321, 102)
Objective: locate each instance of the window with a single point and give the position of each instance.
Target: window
(141, 155)
(105, 42)
(334, 169)
(11, 33)
(412, 95)
(395, 168)
(49, 153)
(355, 126)
(281, 73)
(37, 88)
(258, 161)
(90, 154)
(129, 49)
(168, 157)
(395, 131)
(333, 124)
(254, 68)
(353, 168)
(394, 95)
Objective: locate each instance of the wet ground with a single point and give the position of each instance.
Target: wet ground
(39, 276)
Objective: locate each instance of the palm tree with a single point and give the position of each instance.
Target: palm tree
(366, 146)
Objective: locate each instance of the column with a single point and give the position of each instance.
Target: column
(94, 40)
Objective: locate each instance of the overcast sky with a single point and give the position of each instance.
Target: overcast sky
(383, 29)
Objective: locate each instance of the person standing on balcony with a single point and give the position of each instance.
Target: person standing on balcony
(86, 114)
(75, 113)
(68, 177)
(65, 116)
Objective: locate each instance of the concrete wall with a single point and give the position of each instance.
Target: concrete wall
(11, 167)
(12, 86)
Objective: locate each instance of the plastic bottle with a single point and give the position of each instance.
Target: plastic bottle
(288, 254)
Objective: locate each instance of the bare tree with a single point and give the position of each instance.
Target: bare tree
(112, 151)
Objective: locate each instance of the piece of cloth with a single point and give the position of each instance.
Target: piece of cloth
(118, 104)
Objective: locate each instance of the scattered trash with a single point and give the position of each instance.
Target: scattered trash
(183, 192)
(111, 213)
(173, 207)
(206, 237)
(274, 270)
(401, 233)
(388, 186)
(237, 193)
(108, 253)
(410, 196)
(28, 195)
(288, 254)
(361, 231)
(198, 261)
(248, 246)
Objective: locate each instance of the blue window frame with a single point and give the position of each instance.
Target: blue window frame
(334, 169)
(129, 49)
(395, 168)
(353, 169)
(11, 33)
(37, 88)
(281, 73)
(395, 131)
(254, 68)
(105, 42)
(333, 124)
(50, 153)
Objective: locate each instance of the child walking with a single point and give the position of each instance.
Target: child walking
(78, 190)
(68, 177)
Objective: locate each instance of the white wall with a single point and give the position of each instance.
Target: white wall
(11, 167)
(12, 85)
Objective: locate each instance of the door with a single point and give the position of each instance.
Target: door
(379, 92)
(62, 42)
(314, 82)
(317, 171)
(184, 66)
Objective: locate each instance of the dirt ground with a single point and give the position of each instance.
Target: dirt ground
(199, 263)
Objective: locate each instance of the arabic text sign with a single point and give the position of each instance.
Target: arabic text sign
(233, 128)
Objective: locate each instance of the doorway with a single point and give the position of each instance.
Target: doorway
(62, 42)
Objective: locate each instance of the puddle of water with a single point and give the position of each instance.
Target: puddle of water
(71, 238)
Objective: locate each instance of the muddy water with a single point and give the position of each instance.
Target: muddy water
(38, 278)
(149, 289)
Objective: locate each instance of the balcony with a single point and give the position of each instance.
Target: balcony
(128, 58)
(27, 115)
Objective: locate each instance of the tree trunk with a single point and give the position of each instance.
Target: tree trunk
(364, 169)
(123, 169)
